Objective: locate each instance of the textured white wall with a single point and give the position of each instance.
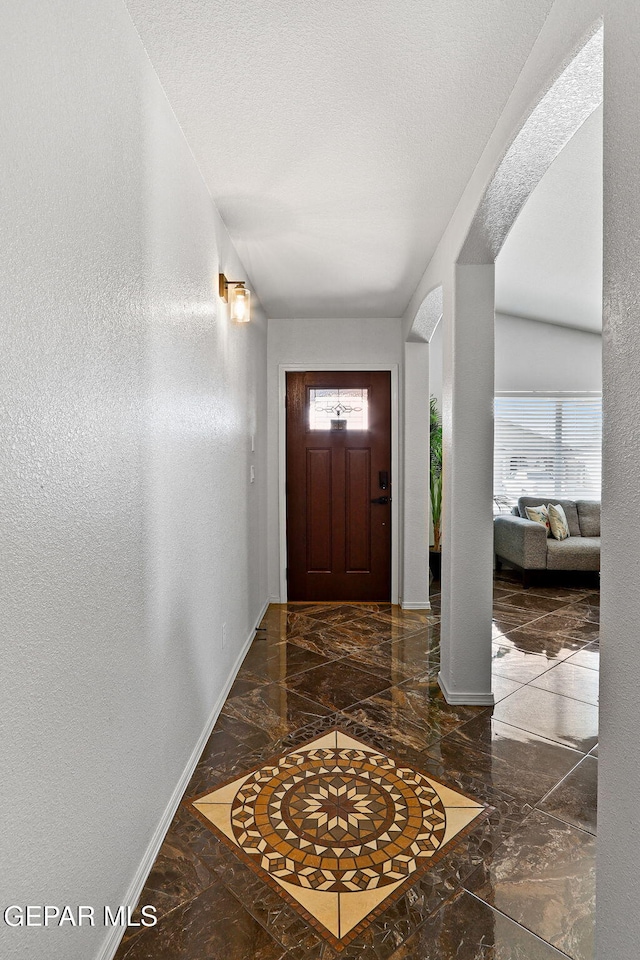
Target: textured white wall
(129, 530)
(618, 885)
(435, 364)
(467, 481)
(531, 355)
(416, 502)
(312, 342)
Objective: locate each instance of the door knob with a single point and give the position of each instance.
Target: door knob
(381, 500)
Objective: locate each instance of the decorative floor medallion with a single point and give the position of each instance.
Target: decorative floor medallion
(337, 828)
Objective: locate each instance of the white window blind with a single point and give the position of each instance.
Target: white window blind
(547, 445)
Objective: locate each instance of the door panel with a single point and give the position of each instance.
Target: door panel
(358, 511)
(338, 470)
(319, 517)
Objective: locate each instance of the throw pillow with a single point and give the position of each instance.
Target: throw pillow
(558, 522)
(540, 515)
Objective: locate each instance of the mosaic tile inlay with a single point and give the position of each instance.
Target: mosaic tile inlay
(338, 828)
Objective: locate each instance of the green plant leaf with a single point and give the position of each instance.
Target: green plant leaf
(435, 473)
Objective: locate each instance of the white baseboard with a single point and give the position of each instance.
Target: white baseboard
(465, 699)
(418, 605)
(115, 934)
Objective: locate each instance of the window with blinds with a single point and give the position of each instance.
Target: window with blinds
(547, 445)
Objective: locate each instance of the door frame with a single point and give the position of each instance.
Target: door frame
(311, 367)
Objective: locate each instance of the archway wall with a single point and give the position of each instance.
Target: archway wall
(427, 317)
(460, 284)
(569, 25)
(567, 28)
(566, 104)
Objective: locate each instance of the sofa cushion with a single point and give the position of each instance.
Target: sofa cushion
(575, 553)
(558, 522)
(539, 515)
(568, 506)
(589, 517)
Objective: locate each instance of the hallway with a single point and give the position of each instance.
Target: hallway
(424, 191)
(516, 884)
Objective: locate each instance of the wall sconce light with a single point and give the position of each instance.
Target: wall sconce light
(239, 298)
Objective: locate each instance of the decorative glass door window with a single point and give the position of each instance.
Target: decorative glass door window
(339, 409)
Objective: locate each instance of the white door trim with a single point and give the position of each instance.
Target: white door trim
(283, 369)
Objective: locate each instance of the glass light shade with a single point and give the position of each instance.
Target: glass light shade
(240, 304)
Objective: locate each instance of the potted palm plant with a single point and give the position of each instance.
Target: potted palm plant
(435, 485)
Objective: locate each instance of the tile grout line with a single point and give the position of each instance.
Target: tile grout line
(523, 926)
(565, 823)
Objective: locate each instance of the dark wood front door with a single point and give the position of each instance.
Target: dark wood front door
(339, 486)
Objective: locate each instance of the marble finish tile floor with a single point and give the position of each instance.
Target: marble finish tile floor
(512, 876)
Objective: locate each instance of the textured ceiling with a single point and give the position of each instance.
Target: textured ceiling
(336, 136)
(550, 267)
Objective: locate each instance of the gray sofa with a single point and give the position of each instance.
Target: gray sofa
(524, 544)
